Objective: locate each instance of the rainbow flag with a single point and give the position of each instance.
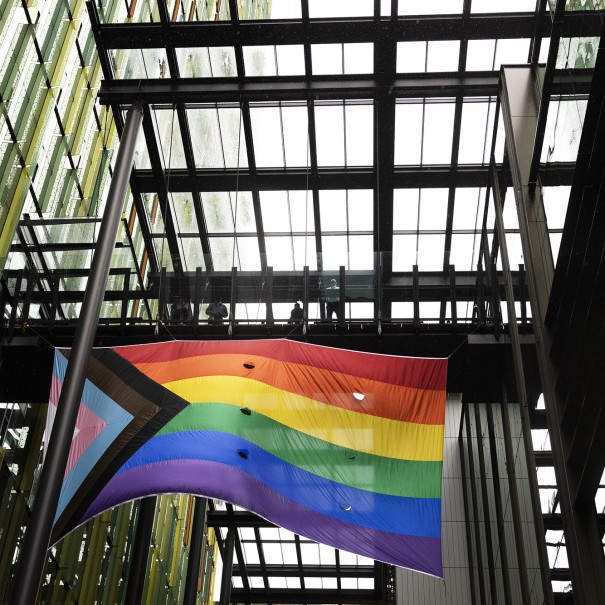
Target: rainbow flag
(342, 447)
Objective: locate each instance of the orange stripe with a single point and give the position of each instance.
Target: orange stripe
(333, 388)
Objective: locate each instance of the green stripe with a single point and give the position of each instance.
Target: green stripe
(409, 478)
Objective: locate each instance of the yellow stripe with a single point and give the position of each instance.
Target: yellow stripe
(354, 430)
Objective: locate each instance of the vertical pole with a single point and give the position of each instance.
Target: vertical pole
(195, 552)
(37, 536)
(227, 567)
(140, 552)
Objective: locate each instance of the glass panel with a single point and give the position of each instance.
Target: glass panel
(411, 57)
(232, 137)
(577, 53)
(290, 60)
(326, 59)
(220, 210)
(333, 210)
(430, 252)
(194, 62)
(222, 61)
(329, 133)
(334, 251)
(436, 7)
(170, 142)
(359, 58)
(360, 209)
(512, 6)
(341, 8)
(511, 52)
(404, 252)
(555, 205)
(184, 212)
(468, 208)
(433, 209)
(301, 211)
(275, 211)
(193, 256)
(140, 63)
(408, 133)
(280, 255)
(563, 130)
(464, 249)
(475, 133)
(361, 252)
(276, 9)
(480, 55)
(438, 133)
(443, 55)
(405, 209)
(359, 135)
(295, 139)
(260, 60)
(267, 136)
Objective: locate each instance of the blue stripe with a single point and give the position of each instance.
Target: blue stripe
(115, 418)
(412, 516)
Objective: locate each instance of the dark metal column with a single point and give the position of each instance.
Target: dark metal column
(140, 551)
(37, 537)
(227, 567)
(195, 552)
(584, 548)
(525, 424)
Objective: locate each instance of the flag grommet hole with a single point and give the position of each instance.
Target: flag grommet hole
(249, 365)
(243, 454)
(246, 411)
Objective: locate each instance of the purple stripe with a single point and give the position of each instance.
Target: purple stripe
(216, 480)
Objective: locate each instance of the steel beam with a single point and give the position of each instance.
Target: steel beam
(520, 112)
(37, 536)
(324, 31)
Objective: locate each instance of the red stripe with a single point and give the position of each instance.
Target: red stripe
(423, 373)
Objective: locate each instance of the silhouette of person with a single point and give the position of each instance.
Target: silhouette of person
(180, 311)
(216, 312)
(333, 300)
(296, 314)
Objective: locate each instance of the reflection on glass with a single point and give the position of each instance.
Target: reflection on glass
(246, 256)
(140, 63)
(193, 256)
(183, 212)
(203, 62)
(577, 53)
(168, 135)
(223, 210)
(563, 130)
(260, 60)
